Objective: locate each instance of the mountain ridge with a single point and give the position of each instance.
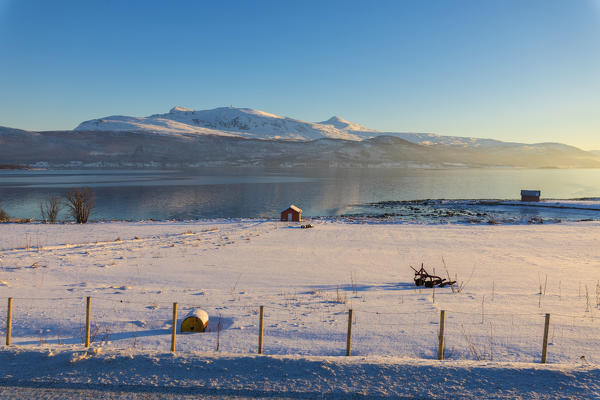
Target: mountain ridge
(228, 136)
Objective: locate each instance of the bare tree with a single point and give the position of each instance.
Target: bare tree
(50, 208)
(80, 202)
(3, 216)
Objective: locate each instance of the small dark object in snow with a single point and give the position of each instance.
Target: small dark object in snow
(307, 226)
(423, 278)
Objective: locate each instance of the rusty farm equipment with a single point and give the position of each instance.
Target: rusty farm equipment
(424, 278)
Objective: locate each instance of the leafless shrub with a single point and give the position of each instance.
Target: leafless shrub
(560, 290)
(234, 287)
(458, 287)
(491, 344)
(587, 300)
(353, 283)
(50, 208)
(99, 330)
(482, 309)
(471, 345)
(340, 296)
(3, 216)
(448, 274)
(80, 202)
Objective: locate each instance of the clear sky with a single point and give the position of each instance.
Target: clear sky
(518, 70)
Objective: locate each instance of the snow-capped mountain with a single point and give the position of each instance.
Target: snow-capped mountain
(230, 121)
(255, 124)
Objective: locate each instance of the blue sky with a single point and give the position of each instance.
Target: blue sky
(523, 70)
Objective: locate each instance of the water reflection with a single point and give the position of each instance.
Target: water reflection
(224, 193)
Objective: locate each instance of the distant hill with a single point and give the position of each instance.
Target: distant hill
(245, 137)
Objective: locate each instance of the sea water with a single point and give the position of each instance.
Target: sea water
(358, 194)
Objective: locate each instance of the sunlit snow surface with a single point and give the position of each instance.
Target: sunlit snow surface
(509, 276)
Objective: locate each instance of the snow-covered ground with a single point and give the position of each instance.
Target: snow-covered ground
(79, 374)
(307, 279)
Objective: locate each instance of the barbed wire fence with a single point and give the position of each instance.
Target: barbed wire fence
(335, 329)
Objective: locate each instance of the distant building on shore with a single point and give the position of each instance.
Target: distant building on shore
(530, 195)
(292, 213)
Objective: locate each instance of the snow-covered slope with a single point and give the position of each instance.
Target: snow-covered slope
(255, 124)
(432, 138)
(229, 121)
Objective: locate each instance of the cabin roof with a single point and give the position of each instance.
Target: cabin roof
(293, 207)
(530, 192)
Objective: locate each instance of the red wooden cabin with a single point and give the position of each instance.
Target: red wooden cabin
(292, 213)
(530, 195)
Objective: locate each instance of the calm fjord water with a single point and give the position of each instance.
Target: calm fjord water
(232, 193)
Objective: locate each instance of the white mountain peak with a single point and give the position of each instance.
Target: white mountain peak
(336, 119)
(341, 123)
(179, 109)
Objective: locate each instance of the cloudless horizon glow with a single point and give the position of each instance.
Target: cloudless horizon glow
(526, 71)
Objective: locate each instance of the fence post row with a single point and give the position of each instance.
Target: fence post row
(545, 343)
(9, 320)
(88, 317)
(260, 329)
(174, 328)
(440, 354)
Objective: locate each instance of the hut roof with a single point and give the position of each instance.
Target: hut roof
(530, 192)
(293, 207)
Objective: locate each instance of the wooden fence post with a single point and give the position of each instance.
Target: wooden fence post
(88, 315)
(9, 321)
(174, 328)
(260, 329)
(545, 344)
(349, 335)
(441, 335)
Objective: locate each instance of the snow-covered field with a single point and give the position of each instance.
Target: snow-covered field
(307, 279)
